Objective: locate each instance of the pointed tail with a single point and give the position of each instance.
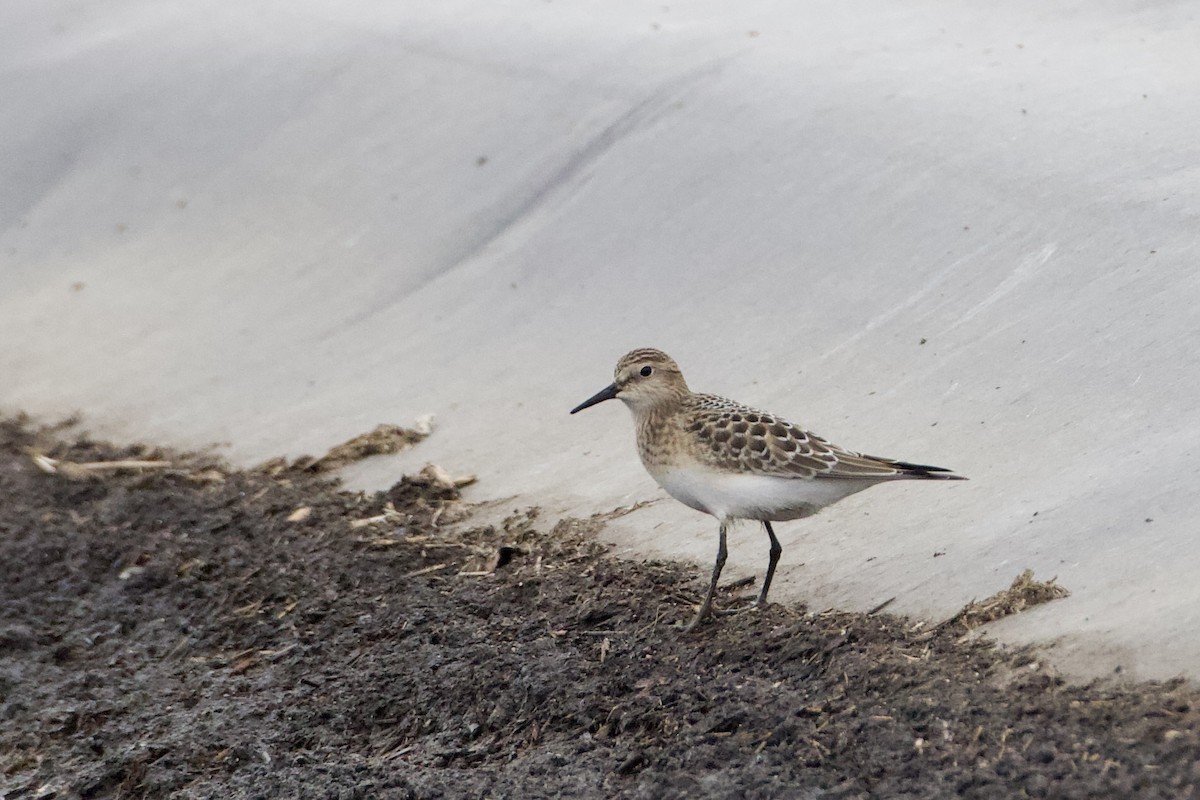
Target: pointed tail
(924, 471)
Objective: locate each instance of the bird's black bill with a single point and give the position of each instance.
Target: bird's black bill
(607, 393)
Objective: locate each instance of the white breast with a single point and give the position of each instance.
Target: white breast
(750, 496)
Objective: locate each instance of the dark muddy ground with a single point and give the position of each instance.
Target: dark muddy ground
(192, 632)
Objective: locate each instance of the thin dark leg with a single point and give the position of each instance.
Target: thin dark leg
(776, 550)
(706, 606)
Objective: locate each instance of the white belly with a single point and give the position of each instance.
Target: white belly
(748, 496)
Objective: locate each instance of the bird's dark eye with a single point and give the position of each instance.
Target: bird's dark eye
(646, 371)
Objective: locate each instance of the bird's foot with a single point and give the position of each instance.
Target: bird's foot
(704, 614)
(707, 613)
(742, 609)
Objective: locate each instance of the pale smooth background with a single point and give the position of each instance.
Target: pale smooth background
(274, 225)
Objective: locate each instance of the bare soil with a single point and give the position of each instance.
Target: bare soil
(195, 631)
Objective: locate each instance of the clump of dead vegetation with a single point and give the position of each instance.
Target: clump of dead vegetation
(385, 439)
(1024, 593)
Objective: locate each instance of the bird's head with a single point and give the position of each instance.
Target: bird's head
(644, 379)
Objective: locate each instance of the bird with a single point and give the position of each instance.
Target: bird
(736, 462)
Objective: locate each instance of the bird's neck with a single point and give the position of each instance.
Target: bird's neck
(654, 423)
(656, 412)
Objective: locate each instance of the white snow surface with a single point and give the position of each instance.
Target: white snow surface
(958, 234)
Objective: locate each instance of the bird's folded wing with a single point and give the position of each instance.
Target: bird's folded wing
(740, 438)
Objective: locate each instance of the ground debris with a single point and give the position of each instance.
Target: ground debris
(91, 469)
(389, 516)
(383, 440)
(1025, 592)
(300, 514)
(432, 491)
(163, 637)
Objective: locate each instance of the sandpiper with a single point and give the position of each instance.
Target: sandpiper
(736, 462)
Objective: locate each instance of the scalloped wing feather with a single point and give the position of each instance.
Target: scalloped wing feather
(736, 437)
